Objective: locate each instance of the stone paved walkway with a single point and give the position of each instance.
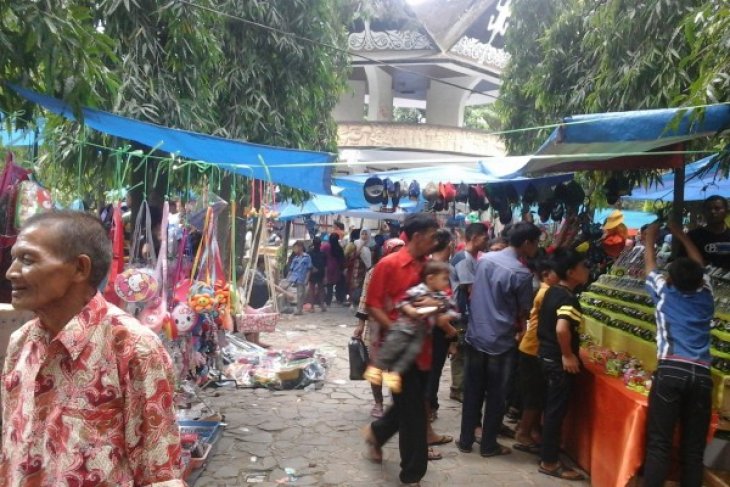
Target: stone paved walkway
(317, 433)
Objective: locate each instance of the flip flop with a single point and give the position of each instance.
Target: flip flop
(434, 455)
(442, 440)
(501, 450)
(533, 448)
(562, 472)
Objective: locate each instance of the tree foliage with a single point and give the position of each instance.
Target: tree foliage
(179, 65)
(581, 56)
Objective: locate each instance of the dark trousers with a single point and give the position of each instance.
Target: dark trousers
(559, 384)
(316, 294)
(407, 417)
(680, 392)
(439, 353)
(338, 290)
(490, 375)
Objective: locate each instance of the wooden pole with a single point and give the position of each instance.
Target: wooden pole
(678, 205)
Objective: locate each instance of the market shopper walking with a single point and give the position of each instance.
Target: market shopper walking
(681, 392)
(392, 277)
(88, 391)
(299, 270)
(334, 275)
(317, 275)
(463, 268)
(501, 299)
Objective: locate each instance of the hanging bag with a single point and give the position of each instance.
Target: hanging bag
(156, 315)
(117, 237)
(358, 358)
(139, 283)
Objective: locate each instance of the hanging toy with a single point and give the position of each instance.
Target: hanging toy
(155, 316)
(183, 319)
(136, 285)
(202, 299)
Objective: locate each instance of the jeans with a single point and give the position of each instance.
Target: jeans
(559, 385)
(490, 374)
(438, 359)
(301, 291)
(457, 370)
(680, 392)
(407, 417)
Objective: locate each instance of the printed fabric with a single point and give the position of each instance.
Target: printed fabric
(91, 406)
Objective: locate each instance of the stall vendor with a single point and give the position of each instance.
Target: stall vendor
(713, 239)
(615, 232)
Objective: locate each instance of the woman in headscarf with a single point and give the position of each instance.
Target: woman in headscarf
(359, 261)
(371, 334)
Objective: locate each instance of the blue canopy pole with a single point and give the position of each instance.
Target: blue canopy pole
(678, 207)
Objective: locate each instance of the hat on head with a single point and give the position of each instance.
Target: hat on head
(373, 190)
(614, 220)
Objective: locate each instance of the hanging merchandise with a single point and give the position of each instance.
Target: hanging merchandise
(462, 193)
(116, 234)
(414, 190)
(139, 283)
(373, 190)
(156, 315)
(32, 199)
(12, 176)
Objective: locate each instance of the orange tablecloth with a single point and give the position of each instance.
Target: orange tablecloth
(606, 426)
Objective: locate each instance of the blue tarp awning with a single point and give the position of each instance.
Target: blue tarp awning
(317, 205)
(632, 219)
(239, 157)
(696, 187)
(588, 141)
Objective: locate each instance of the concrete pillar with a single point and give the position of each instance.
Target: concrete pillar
(350, 107)
(380, 94)
(445, 103)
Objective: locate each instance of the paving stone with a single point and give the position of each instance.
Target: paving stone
(317, 432)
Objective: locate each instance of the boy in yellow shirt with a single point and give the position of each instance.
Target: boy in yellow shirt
(532, 383)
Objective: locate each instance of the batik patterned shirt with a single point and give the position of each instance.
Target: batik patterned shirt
(91, 406)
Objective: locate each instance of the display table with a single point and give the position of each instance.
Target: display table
(606, 426)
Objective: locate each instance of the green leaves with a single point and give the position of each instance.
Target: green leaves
(577, 56)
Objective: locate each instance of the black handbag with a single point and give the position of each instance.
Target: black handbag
(358, 358)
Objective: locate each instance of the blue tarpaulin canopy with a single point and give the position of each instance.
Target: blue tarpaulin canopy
(317, 205)
(701, 180)
(588, 141)
(235, 156)
(632, 219)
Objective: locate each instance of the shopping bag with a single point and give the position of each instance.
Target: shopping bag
(358, 358)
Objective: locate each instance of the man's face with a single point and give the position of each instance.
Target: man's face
(715, 212)
(479, 242)
(424, 242)
(39, 278)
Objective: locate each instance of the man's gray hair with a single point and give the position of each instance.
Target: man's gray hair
(78, 233)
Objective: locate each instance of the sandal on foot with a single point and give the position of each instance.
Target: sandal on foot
(441, 440)
(434, 455)
(533, 448)
(562, 472)
(501, 450)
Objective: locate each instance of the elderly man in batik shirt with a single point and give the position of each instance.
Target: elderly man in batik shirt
(87, 393)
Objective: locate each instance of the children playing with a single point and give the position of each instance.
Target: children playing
(559, 320)
(681, 390)
(403, 342)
